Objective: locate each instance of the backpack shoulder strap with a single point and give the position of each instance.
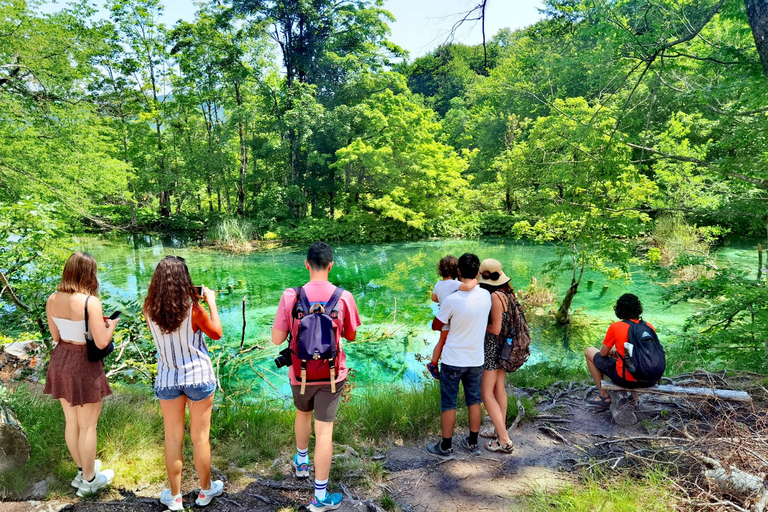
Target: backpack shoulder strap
(303, 300)
(85, 309)
(334, 299)
(298, 292)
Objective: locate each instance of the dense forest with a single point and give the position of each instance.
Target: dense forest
(621, 131)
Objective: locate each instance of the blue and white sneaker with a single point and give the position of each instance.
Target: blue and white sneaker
(301, 469)
(331, 502)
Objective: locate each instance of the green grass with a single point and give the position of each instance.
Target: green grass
(234, 233)
(610, 493)
(544, 374)
(388, 412)
(130, 441)
(130, 435)
(246, 433)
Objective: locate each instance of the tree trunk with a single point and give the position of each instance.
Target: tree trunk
(563, 314)
(14, 446)
(243, 155)
(757, 13)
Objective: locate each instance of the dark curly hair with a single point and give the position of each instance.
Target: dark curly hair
(628, 307)
(448, 266)
(170, 295)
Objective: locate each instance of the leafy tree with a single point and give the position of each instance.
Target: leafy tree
(30, 254)
(581, 191)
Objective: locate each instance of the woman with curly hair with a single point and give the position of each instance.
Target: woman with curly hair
(184, 372)
(80, 385)
(609, 359)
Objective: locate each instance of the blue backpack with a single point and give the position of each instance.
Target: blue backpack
(648, 361)
(314, 352)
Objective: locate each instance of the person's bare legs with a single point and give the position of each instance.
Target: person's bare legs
(199, 431)
(87, 421)
(500, 392)
(475, 417)
(447, 421)
(487, 391)
(173, 419)
(597, 375)
(323, 449)
(71, 431)
(303, 429)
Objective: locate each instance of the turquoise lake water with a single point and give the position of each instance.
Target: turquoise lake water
(392, 285)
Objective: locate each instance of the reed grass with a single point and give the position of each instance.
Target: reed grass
(233, 234)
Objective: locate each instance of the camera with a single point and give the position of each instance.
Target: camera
(283, 358)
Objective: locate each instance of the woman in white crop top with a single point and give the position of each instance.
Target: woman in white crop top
(77, 383)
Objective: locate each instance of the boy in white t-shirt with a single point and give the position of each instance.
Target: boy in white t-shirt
(448, 268)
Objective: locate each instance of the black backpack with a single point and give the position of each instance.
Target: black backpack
(648, 362)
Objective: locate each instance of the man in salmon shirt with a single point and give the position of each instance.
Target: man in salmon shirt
(318, 396)
(606, 361)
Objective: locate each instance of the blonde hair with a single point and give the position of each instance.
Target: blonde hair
(79, 275)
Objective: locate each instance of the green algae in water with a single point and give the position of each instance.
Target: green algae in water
(392, 285)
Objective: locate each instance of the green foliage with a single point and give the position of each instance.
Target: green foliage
(613, 493)
(730, 332)
(31, 255)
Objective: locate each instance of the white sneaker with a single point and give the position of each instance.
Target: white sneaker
(102, 479)
(205, 497)
(79, 477)
(171, 501)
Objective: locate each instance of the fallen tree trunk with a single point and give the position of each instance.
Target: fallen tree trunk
(664, 389)
(14, 446)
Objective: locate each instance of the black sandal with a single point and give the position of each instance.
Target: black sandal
(599, 401)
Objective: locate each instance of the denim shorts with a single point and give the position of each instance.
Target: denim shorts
(470, 378)
(195, 393)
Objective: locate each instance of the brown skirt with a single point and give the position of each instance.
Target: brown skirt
(72, 377)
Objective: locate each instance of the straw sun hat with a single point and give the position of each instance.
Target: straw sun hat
(491, 273)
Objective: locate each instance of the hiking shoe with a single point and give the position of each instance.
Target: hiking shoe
(205, 497)
(471, 448)
(102, 479)
(433, 370)
(171, 501)
(301, 469)
(79, 477)
(437, 451)
(331, 502)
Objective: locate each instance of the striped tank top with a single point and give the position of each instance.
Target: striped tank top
(182, 356)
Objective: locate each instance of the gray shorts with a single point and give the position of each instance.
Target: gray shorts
(319, 399)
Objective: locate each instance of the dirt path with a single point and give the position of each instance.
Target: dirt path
(547, 451)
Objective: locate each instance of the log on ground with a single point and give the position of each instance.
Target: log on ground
(665, 389)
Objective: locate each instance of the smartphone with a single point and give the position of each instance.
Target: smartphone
(115, 315)
(199, 290)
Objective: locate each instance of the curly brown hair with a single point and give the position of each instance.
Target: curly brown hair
(170, 294)
(80, 275)
(448, 266)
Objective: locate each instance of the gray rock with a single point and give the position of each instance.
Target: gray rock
(39, 490)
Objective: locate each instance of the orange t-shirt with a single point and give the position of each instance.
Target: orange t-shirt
(617, 336)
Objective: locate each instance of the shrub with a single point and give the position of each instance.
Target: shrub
(233, 234)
